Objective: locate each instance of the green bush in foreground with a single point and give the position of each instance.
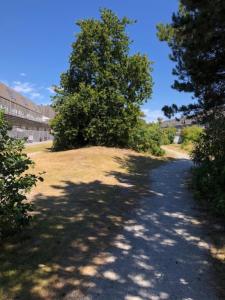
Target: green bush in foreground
(209, 173)
(14, 183)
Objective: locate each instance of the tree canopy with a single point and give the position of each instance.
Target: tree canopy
(196, 37)
(99, 97)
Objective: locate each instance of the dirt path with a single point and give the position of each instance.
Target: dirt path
(162, 252)
(176, 154)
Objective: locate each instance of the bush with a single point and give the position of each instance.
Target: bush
(168, 135)
(146, 138)
(209, 186)
(209, 171)
(191, 134)
(14, 182)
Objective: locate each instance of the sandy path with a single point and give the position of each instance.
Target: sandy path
(162, 252)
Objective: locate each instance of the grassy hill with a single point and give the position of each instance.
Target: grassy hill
(87, 196)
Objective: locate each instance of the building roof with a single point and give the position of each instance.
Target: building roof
(11, 95)
(177, 123)
(47, 110)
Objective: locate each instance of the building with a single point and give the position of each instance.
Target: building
(28, 120)
(178, 124)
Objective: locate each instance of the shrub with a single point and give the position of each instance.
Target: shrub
(146, 138)
(191, 134)
(209, 171)
(14, 182)
(168, 135)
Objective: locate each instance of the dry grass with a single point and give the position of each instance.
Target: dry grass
(87, 165)
(40, 147)
(86, 198)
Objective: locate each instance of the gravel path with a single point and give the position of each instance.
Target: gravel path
(162, 252)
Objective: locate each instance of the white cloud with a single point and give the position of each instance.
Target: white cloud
(30, 90)
(23, 74)
(152, 115)
(22, 87)
(35, 95)
(27, 88)
(50, 89)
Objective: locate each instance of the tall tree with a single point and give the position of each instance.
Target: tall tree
(99, 97)
(196, 37)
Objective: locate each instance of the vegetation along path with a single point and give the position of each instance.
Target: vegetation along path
(162, 252)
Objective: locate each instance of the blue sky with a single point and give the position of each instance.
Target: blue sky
(36, 38)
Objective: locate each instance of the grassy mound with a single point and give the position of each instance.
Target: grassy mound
(86, 198)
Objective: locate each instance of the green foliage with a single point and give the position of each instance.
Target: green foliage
(196, 38)
(146, 138)
(15, 182)
(191, 134)
(209, 157)
(168, 135)
(99, 97)
(149, 137)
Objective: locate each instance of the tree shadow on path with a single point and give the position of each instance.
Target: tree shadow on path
(68, 241)
(137, 239)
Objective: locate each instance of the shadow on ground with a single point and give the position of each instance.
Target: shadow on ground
(130, 241)
(68, 239)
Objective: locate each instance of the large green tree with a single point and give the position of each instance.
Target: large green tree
(99, 97)
(196, 37)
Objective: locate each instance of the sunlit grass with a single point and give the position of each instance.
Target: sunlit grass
(85, 199)
(40, 147)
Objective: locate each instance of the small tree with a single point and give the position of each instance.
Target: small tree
(14, 182)
(99, 97)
